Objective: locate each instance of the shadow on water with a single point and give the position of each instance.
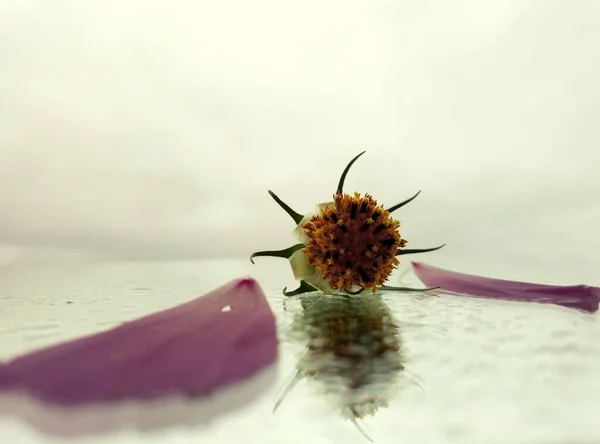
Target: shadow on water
(353, 353)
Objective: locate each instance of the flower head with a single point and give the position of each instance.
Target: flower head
(354, 241)
(348, 245)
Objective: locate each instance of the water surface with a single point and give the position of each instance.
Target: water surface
(478, 371)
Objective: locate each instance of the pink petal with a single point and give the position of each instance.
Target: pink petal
(581, 297)
(190, 349)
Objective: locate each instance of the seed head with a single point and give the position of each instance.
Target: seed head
(353, 242)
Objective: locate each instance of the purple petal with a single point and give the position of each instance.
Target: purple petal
(580, 297)
(190, 349)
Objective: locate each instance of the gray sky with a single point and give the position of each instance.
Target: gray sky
(153, 130)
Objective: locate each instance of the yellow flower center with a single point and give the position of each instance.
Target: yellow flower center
(353, 242)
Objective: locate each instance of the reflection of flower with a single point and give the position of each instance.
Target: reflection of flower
(349, 245)
(353, 348)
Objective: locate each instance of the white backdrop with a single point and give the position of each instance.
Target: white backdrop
(152, 130)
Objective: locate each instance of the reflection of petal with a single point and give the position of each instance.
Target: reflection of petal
(581, 297)
(300, 266)
(195, 348)
(299, 232)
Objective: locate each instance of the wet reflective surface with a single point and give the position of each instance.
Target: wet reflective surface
(353, 351)
(412, 367)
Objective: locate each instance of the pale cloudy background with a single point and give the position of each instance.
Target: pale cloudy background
(152, 130)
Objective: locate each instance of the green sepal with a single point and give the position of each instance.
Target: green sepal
(401, 204)
(345, 173)
(407, 289)
(303, 288)
(294, 215)
(286, 253)
(417, 250)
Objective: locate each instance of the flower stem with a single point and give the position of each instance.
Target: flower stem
(285, 253)
(303, 288)
(345, 173)
(401, 204)
(417, 250)
(407, 289)
(294, 215)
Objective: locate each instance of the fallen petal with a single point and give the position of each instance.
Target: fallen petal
(580, 297)
(192, 349)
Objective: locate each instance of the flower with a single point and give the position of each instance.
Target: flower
(348, 245)
(193, 349)
(580, 297)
